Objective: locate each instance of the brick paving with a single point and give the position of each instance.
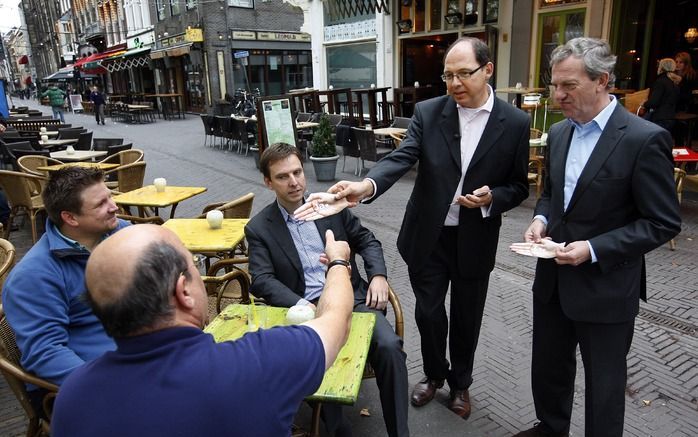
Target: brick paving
(662, 390)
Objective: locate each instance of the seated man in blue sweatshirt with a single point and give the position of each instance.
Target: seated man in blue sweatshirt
(43, 295)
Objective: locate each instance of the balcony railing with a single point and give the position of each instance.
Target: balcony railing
(94, 29)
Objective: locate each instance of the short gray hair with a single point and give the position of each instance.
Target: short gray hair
(595, 53)
(666, 65)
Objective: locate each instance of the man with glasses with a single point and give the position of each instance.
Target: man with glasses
(472, 150)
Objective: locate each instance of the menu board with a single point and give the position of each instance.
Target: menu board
(277, 120)
(76, 102)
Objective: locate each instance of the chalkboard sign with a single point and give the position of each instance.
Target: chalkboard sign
(76, 102)
(275, 116)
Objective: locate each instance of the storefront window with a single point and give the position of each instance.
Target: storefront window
(435, 19)
(351, 66)
(160, 6)
(274, 71)
(174, 7)
(556, 29)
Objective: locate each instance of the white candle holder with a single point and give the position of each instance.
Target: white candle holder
(214, 219)
(160, 184)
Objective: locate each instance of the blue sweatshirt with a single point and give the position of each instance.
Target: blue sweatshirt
(43, 300)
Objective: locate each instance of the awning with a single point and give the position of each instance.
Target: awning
(130, 59)
(23, 60)
(92, 64)
(179, 50)
(65, 74)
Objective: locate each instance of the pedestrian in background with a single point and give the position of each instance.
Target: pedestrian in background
(56, 99)
(609, 193)
(664, 96)
(97, 99)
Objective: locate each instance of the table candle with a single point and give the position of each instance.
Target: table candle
(44, 138)
(70, 150)
(214, 218)
(160, 184)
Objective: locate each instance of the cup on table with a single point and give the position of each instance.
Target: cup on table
(214, 219)
(331, 87)
(368, 126)
(42, 129)
(416, 84)
(160, 184)
(70, 150)
(518, 85)
(44, 138)
(256, 316)
(373, 85)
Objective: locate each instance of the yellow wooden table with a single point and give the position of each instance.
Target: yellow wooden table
(386, 131)
(149, 197)
(342, 381)
(78, 155)
(198, 236)
(99, 165)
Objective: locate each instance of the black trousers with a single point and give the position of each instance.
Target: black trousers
(603, 348)
(430, 285)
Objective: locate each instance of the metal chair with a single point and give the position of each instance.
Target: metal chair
(70, 133)
(7, 260)
(17, 378)
(401, 122)
(18, 189)
(345, 139)
(207, 120)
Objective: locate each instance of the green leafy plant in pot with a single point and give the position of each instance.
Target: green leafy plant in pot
(324, 152)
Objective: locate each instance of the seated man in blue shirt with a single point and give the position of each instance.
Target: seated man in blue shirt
(167, 377)
(285, 271)
(42, 297)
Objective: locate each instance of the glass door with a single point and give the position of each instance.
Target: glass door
(554, 29)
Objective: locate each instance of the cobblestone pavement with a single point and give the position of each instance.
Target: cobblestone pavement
(662, 389)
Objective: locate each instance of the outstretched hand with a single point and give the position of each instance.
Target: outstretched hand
(319, 205)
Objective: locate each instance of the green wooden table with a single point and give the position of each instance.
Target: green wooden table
(342, 381)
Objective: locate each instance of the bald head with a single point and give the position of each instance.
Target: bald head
(132, 279)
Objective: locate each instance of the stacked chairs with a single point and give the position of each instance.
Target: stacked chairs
(101, 144)
(207, 120)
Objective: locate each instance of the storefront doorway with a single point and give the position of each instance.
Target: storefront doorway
(422, 60)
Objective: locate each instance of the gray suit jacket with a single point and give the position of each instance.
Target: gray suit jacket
(500, 161)
(624, 203)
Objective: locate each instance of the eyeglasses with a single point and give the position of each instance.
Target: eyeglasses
(461, 75)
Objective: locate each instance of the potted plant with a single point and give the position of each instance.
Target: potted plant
(324, 152)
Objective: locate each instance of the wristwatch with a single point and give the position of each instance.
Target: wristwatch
(338, 262)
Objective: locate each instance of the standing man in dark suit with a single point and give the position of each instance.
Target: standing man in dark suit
(472, 150)
(609, 193)
(286, 270)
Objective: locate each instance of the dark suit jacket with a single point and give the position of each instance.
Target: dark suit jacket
(624, 203)
(277, 272)
(500, 161)
(663, 98)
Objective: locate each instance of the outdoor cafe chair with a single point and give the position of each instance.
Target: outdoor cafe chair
(207, 121)
(225, 279)
(101, 144)
(239, 208)
(401, 122)
(136, 220)
(128, 156)
(536, 163)
(29, 163)
(113, 150)
(18, 189)
(346, 140)
(10, 149)
(368, 149)
(70, 133)
(130, 176)
(241, 135)
(84, 141)
(7, 260)
(17, 378)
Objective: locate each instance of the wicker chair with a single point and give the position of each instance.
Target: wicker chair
(226, 280)
(239, 208)
(123, 157)
(17, 187)
(153, 220)
(368, 149)
(7, 260)
(29, 164)
(536, 162)
(17, 377)
(633, 101)
(130, 176)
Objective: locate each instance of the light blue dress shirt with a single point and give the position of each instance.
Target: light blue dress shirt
(584, 139)
(309, 246)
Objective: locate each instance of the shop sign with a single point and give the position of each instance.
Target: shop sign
(283, 36)
(173, 40)
(241, 34)
(548, 3)
(194, 35)
(141, 41)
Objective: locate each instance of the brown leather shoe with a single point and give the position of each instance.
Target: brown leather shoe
(537, 431)
(460, 403)
(425, 390)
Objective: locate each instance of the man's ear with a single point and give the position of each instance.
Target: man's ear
(183, 298)
(70, 218)
(603, 80)
(267, 182)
